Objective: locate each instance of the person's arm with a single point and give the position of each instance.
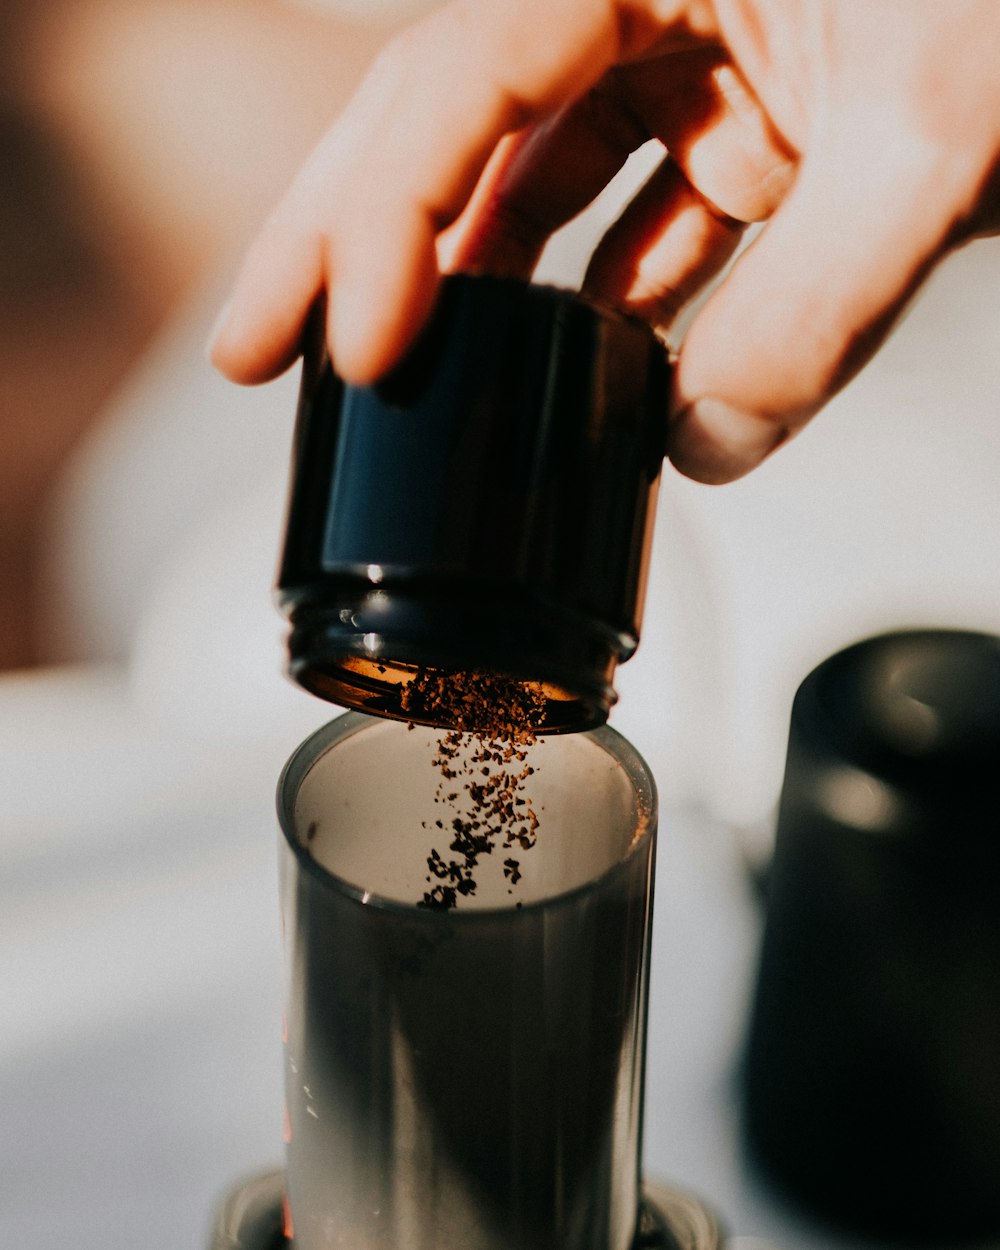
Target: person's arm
(866, 135)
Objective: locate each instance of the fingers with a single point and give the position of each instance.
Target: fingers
(400, 166)
(715, 132)
(258, 332)
(665, 247)
(805, 306)
(541, 180)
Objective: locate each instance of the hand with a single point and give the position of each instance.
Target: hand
(866, 133)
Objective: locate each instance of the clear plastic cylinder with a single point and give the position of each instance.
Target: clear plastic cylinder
(469, 1078)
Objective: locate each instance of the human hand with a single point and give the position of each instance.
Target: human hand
(866, 135)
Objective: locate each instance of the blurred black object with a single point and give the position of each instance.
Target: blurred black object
(488, 506)
(872, 1070)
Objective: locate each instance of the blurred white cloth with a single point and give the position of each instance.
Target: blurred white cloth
(177, 447)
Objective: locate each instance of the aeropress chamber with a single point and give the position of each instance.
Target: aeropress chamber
(467, 880)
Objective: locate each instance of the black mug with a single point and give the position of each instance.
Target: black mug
(872, 1068)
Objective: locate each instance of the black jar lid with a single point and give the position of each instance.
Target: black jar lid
(485, 508)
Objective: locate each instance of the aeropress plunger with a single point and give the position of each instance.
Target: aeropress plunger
(467, 914)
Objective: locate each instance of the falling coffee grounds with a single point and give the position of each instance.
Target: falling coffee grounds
(483, 764)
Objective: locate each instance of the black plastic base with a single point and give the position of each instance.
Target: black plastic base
(250, 1218)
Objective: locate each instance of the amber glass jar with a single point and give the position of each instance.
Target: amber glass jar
(487, 507)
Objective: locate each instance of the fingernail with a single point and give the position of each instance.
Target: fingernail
(712, 441)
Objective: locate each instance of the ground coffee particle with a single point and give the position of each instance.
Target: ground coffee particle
(494, 719)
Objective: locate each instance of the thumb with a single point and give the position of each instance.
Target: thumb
(806, 306)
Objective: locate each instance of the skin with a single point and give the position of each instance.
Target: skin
(865, 133)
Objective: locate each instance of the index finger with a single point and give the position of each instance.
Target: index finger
(363, 216)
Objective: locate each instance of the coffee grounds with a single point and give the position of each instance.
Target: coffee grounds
(482, 759)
